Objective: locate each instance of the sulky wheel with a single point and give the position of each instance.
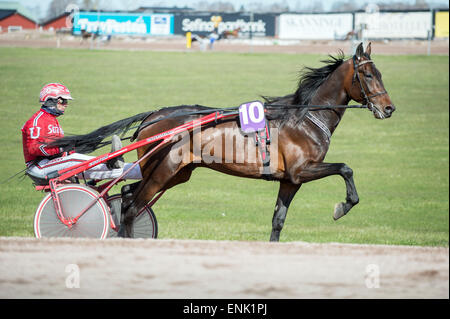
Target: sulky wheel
(74, 198)
(145, 224)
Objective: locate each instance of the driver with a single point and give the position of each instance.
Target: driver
(43, 127)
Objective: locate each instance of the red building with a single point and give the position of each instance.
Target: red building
(59, 22)
(12, 20)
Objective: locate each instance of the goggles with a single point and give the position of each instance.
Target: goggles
(63, 101)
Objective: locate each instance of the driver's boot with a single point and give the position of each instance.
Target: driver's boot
(116, 162)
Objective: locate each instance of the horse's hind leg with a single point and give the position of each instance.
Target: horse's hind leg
(161, 179)
(285, 196)
(128, 190)
(134, 200)
(319, 170)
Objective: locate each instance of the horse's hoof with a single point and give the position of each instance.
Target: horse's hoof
(124, 232)
(339, 211)
(121, 232)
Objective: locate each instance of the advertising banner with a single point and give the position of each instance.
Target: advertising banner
(123, 23)
(441, 24)
(314, 26)
(262, 25)
(391, 25)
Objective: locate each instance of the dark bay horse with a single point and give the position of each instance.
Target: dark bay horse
(228, 34)
(303, 139)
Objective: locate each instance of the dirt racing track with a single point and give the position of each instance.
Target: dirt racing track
(138, 268)
(178, 44)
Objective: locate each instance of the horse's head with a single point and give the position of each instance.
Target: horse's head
(366, 85)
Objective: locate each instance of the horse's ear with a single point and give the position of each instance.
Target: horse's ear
(369, 49)
(359, 51)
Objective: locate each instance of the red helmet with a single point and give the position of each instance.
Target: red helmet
(54, 91)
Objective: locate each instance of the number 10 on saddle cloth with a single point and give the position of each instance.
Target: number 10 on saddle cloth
(253, 120)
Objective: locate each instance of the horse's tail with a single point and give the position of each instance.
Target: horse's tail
(88, 143)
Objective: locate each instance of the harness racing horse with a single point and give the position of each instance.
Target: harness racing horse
(227, 34)
(303, 138)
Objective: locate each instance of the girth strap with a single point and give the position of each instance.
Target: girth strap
(262, 140)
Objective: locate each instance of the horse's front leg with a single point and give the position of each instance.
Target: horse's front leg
(285, 196)
(316, 171)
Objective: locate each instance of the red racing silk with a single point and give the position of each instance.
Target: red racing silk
(41, 129)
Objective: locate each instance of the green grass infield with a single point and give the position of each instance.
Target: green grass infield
(400, 165)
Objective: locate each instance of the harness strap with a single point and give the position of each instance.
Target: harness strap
(319, 124)
(262, 140)
(376, 94)
(362, 62)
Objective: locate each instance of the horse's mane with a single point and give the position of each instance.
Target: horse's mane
(310, 81)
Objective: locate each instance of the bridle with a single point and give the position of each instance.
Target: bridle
(370, 105)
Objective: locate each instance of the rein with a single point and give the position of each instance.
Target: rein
(317, 107)
(235, 110)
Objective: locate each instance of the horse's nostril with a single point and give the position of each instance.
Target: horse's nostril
(389, 109)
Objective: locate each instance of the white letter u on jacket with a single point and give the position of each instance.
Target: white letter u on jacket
(32, 132)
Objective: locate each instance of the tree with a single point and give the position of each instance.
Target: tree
(57, 7)
(92, 4)
(220, 6)
(87, 4)
(278, 7)
(201, 5)
(344, 6)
